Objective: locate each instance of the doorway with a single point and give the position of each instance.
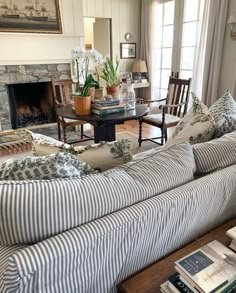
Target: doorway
(97, 35)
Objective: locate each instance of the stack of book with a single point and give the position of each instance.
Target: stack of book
(212, 268)
(232, 234)
(107, 107)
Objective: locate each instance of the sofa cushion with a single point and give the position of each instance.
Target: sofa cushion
(215, 154)
(196, 126)
(61, 165)
(51, 207)
(224, 113)
(5, 254)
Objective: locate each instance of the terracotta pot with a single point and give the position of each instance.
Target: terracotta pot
(114, 91)
(82, 105)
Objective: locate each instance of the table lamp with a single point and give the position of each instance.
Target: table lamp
(138, 68)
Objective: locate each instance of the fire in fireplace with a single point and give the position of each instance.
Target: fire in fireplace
(31, 104)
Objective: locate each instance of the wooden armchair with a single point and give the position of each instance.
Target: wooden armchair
(62, 96)
(175, 108)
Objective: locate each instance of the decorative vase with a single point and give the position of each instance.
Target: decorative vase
(82, 105)
(113, 91)
(127, 96)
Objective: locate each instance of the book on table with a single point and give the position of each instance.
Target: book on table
(106, 103)
(232, 234)
(209, 269)
(176, 285)
(107, 111)
(100, 107)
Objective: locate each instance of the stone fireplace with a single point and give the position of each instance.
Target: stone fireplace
(26, 93)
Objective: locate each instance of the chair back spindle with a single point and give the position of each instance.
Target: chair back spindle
(62, 90)
(178, 93)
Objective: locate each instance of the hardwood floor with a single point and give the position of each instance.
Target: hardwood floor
(147, 130)
(133, 127)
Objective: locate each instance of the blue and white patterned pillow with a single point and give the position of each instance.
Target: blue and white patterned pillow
(196, 126)
(60, 165)
(224, 113)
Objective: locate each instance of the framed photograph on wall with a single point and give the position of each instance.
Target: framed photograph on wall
(128, 50)
(32, 16)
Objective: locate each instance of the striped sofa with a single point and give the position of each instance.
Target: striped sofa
(89, 234)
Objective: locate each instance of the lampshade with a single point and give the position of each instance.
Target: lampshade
(139, 66)
(232, 19)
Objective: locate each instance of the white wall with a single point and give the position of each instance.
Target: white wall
(228, 65)
(88, 28)
(125, 15)
(27, 48)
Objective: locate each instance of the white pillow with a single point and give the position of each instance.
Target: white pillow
(196, 126)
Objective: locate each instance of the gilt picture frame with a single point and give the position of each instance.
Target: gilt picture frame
(128, 50)
(30, 16)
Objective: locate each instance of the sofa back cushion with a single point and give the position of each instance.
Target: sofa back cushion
(215, 154)
(31, 211)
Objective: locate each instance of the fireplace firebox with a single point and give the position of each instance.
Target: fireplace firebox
(31, 104)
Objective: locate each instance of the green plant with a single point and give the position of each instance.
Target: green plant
(89, 82)
(109, 72)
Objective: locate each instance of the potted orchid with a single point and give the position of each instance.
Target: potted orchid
(86, 84)
(83, 99)
(83, 60)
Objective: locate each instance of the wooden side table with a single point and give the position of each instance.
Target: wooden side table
(150, 279)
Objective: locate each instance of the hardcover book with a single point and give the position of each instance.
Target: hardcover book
(107, 111)
(232, 233)
(207, 269)
(177, 285)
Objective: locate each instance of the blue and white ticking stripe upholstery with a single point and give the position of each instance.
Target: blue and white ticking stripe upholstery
(215, 154)
(35, 210)
(96, 256)
(5, 253)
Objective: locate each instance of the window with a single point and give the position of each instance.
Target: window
(178, 38)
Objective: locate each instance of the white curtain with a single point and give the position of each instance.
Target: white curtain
(214, 49)
(149, 38)
(197, 80)
(234, 85)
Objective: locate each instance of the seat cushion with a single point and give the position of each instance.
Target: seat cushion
(224, 113)
(157, 119)
(215, 154)
(196, 126)
(67, 120)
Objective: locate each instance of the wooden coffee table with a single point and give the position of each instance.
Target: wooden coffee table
(150, 279)
(104, 126)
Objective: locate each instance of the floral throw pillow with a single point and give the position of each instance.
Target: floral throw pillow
(224, 113)
(60, 165)
(196, 126)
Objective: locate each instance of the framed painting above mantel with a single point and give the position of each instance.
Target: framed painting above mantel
(32, 16)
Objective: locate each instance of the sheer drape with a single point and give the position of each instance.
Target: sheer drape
(234, 85)
(214, 49)
(149, 37)
(198, 70)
